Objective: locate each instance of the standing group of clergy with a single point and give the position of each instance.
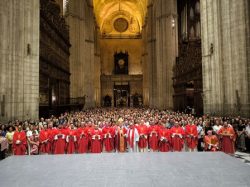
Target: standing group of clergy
(89, 137)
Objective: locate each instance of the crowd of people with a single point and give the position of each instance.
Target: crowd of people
(124, 130)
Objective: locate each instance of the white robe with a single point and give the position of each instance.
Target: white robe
(136, 139)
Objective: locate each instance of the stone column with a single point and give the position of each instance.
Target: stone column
(225, 82)
(19, 62)
(97, 68)
(150, 28)
(212, 87)
(89, 85)
(165, 52)
(145, 69)
(80, 19)
(76, 25)
(247, 13)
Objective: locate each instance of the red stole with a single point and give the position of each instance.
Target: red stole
(131, 139)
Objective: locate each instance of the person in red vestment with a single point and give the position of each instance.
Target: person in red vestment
(50, 143)
(96, 142)
(153, 132)
(45, 146)
(89, 131)
(82, 139)
(108, 138)
(121, 139)
(227, 138)
(19, 142)
(143, 137)
(177, 134)
(211, 142)
(59, 140)
(71, 140)
(191, 136)
(165, 140)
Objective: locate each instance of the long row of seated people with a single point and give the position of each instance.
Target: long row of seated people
(138, 133)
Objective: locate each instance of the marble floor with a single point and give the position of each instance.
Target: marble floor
(244, 157)
(129, 169)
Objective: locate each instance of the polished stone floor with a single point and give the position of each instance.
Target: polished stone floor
(244, 157)
(129, 169)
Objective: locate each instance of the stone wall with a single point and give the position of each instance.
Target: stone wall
(19, 62)
(225, 72)
(110, 46)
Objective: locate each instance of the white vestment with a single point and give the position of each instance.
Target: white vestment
(136, 139)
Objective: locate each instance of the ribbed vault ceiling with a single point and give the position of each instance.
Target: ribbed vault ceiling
(107, 11)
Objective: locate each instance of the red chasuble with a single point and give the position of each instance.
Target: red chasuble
(96, 142)
(191, 136)
(211, 143)
(89, 130)
(19, 143)
(227, 135)
(153, 137)
(71, 141)
(165, 140)
(121, 140)
(177, 134)
(52, 133)
(82, 140)
(143, 139)
(59, 141)
(108, 141)
(44, 139)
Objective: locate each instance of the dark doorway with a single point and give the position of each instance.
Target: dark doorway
(121, 95)
(107, 101)
(137, 100)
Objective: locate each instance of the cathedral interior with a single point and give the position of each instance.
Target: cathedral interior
(61, 55)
